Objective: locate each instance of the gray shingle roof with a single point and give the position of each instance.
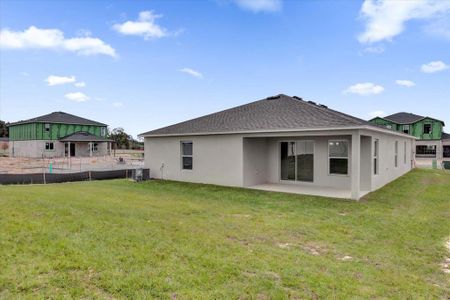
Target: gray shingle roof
(60, 117)
(445, 136)
(272, 113)
(82, 136)
(404, 118)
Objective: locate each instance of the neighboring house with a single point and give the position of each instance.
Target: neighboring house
(280, 143)
(432, 141)
(58, 134)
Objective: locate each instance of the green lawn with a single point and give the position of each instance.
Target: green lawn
(119, 239)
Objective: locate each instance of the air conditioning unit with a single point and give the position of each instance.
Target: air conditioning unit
(138, 174)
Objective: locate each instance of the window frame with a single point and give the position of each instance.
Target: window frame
(295, 181)
(47, 146)
(407, 127)
(47, 127)
(376, 157)
(404, 152)
(182, 155)
(334, 157)
(396, 154)
(103, 131)
(431, 128)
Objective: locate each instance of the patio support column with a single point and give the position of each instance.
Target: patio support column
(90, 149)
(356, 165)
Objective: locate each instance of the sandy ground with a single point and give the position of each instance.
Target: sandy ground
(10, 165)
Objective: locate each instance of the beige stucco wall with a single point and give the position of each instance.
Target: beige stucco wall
(252, 159)
(387, 169)
(216, 160)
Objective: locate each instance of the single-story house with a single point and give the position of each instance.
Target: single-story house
(281, 143)
(58, 134)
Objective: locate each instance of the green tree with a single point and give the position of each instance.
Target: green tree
(121, 138)
(3, 129)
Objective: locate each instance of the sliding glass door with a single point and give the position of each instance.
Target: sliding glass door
(297, 161)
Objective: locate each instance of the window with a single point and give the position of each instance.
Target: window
(426, 150)
(338, 157)
(94, 147)
(47, 127)
(406, 129)
(103, 131)
(404, 153)
(376, 149)
(49, 146)
(427, 128)
(186, 155)
(396, 154)
(388, 126)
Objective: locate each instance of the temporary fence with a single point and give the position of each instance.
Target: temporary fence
(44, 178)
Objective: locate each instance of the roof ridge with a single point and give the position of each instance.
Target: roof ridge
(336, 113)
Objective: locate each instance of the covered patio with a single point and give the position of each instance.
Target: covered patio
(322, 163)
(85, 144)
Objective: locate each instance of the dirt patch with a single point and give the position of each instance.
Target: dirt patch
(345, 258)
(284, 245)
(313, 249)
(446, 264)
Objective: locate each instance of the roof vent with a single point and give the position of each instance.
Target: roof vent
(323, 105)
(312, 102)
(273, 97)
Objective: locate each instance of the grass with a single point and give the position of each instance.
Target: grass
(119, 239)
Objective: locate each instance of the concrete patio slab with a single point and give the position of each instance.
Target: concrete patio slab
(306, 190)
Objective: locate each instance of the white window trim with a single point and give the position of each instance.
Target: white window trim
(183, 155)
(376, 149)
(404, 153)
(396, 154)
(348, 158)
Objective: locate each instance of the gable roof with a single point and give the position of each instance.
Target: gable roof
(279, 112)
(406, 118)
(60, 117)
(445, 136)
(82, 136)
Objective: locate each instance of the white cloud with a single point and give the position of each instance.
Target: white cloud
(377, 113)
(117, 104)
(386, 19)
(36, 38)
(80, 84)
(26, 74)
(260, 5)
(77, 97)
(364, 89)
(405, 83)
(374, 50)
(144, 26)
(192, 72)
(439, 28)
(434, 66)
(58, 80)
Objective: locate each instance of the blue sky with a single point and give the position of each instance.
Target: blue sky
(146, 64)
